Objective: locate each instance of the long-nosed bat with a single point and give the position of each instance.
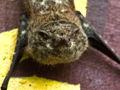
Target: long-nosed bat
(52, 32)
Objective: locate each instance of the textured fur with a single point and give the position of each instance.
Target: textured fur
(58, 19)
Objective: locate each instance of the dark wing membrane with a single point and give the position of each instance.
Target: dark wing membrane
(18, 53)
(95, 40)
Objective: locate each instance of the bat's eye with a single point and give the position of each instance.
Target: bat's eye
(75, 31)
(43, 33)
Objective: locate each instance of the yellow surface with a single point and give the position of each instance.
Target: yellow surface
(81, 5)
(36, 83)
(7, 45)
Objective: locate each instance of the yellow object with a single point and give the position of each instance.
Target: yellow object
(81, 5)
(36, 83)
(7, 45)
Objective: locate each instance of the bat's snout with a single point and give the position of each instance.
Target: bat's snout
(61, 42)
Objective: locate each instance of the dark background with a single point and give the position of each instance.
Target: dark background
(94, 71)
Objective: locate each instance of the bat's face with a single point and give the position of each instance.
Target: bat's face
(55, 36)
(56, 42)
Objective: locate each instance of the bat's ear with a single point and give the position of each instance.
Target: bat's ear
(95, 40)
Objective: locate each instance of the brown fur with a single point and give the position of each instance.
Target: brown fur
(57, 17)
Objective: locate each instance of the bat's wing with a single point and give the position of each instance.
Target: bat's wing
(95, 40)
(18, 53)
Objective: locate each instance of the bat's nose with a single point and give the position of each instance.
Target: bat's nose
(61, 42)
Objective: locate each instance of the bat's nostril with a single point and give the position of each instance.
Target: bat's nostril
(62, 42)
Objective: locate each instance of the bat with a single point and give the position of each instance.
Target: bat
(52, 32)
